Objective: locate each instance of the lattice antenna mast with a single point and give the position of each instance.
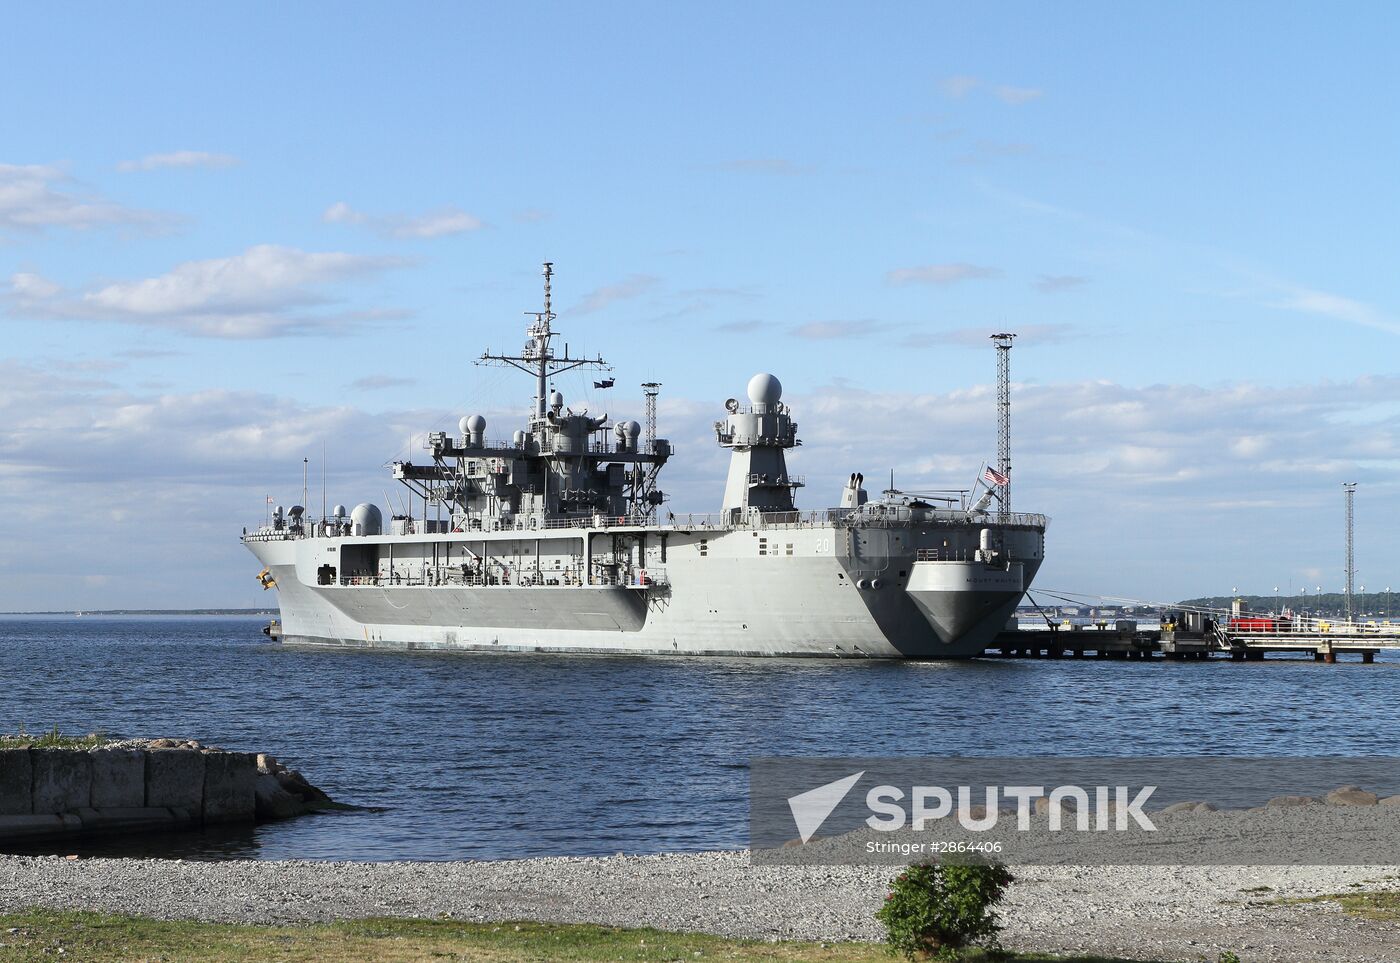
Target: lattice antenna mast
(1003, 345)
(538, 357)
(652, 389)
(1350, 489)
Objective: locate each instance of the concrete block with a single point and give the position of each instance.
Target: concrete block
(175, 779)
(182, 817)
(24, 827)
(16, 783)
(62, 780)
(118, 778)
(124, 818)
(229, 778)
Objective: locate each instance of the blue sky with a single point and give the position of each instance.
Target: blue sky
(230, 234)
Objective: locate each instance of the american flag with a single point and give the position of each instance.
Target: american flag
(993, 477)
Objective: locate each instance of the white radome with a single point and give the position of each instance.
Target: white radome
(765, 389)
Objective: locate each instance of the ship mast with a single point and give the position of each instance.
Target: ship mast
(538, 357)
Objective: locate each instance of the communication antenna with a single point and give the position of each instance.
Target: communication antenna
(538, 359)
(1003, 345)
(1350, 489)
(548, 275)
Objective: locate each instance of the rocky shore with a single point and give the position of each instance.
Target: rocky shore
(1177, 913)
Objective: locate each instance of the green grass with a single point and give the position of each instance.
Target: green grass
(52, 739)
(1374, 905)
(36, 934)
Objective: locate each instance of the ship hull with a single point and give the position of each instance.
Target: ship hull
(803, 591)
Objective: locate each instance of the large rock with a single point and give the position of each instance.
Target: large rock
(1350, 796)
(274, 802)
(229, 779)
(16, 783)
(175, 779)
(118, 778)
(296, 784)
(1390, 801)
(62, 780)
(1188, 806)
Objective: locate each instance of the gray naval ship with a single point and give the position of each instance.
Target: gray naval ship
(553, 541)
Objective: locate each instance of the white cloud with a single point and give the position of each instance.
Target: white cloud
(1054, 283)
(986, 151)
(632, 287)
(941, 274)
(835, 330)
(959, 86)
(441, 222)
(179, 158)
(267, 291)
(380, 382)
(1338, 308)
(1017, 95)
(978, 337)
(780, 166)
(34, 197)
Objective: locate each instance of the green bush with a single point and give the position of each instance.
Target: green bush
(933, 912)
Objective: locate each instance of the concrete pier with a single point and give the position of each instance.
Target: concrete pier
(45, 792)
(1112, 643)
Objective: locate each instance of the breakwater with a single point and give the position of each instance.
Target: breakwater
(144, 785)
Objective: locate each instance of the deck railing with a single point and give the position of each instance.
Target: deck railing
(865, 517)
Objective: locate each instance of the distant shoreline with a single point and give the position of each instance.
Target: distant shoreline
(87, 612)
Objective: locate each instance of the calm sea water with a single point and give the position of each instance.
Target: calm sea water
(492, 756)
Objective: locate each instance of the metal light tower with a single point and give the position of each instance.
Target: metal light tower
(651, 388)
(1350, 489)
(1003, 345)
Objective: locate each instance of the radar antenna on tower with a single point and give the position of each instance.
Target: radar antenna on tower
(1003, 345)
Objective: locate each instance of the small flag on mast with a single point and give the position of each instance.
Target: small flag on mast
(993, 477)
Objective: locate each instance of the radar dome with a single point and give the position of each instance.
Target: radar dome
(366, 519)
(462, 425)
(338, 511)
(633, 429)
(475, 423)
(764, 389)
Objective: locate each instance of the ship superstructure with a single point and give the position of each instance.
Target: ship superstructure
(553, 541)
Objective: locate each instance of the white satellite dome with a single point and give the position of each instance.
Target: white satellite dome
(765, 389)
(367, 520)
(474, 423)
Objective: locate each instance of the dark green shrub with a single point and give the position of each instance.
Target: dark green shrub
(933, 912)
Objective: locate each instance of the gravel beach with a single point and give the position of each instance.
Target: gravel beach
(1178, 913)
